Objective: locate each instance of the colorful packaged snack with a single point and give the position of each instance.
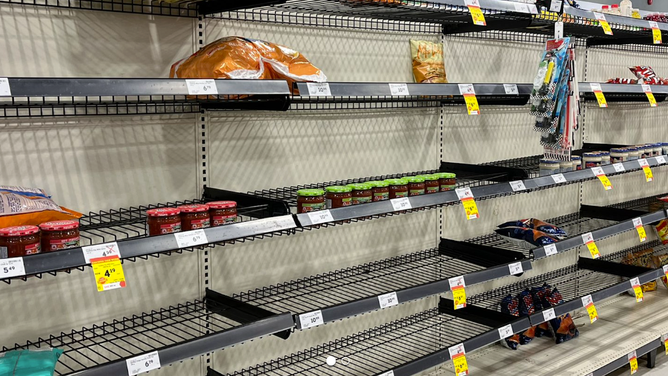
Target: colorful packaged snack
(660, 261)
(526, 309)
(563, 326)
(537, 295)
(642, 258)
(510, 306)
(662, 231)
(23, 191)
(537, 224)
(645, 74)
(19, 210)
(534, 237)
(428, 65)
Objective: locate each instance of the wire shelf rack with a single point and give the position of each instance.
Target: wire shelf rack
(181, 9)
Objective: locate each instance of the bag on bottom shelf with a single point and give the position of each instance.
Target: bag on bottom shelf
(537, 295)
(660, 261)
(510, 306)
(26, 206)
(527, 308)
(563, 326)
(642, 258)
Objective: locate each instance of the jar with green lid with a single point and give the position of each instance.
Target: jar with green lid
(338, 196)
(362, 193)
(380, 190)
(416, 185)
(398, 188)
(432, 184)
(309, 200)
(447, 180)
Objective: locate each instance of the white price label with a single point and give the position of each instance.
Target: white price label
(388, 300)
(516, 268)
(321, 216)
(619, 167)
(463, 193)
(522, 8)
(665, 269)
(559, 178)
(511, 89)
(318, 89)
(311, 319)
(646, 88)
(661, 159)
(100, 250)
(388, 373)
(456, 282)
(456, 350)
(555, 5)
(202, 87)
(12, 267)
(143, 363)
(472, 3)
(550, 249)
(643, 162)
(587, 238)
(635, 282)
(632, 355)
(518, 186)
(595, 86)
(653, 25)
(587, 300)
(466, 89)
(637, 222)
(399, 90)
(191, 238)
(533, 9)
(5, 90)
(600, 16)
(506, 331)
(549, 314)
(403, 203)
(598, 171)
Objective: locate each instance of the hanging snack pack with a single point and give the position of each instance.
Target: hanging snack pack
(28, 206)
(537, 296)
(660, 261)
(563, 326)
(428, 65)
(642, 258)
(537, 224)
(510, 306)
(527, 308)
(662, 231)
(534, 237)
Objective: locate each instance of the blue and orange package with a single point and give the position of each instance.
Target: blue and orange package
(537, 224)
(526, 309)
(563, 326)
(510, 306)
(538, 294)
(534, 237)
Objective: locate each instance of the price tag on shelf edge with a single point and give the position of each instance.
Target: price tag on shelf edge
(596, 88)
(604, 23)
(555, 6)
(506, 331)
(511, 89)
(665, 271)
(399, 204)
(588, 303)
(550, 249)
(559, 178)
(190, 238)
(108, 273)
(588, 240)
(635, 284)
(650, 96)
(318, 89)
(637, 223)
(202, 87)
(458, 357)
(518, 186)
(458, 288)
(399, 90)
(311, 319)
(466, 197)
(664, 339)
(656, 32)
(600, 174)
(549, 314)
(388, 373)
(143, 363)
(661, 159)
(522, 8)
(468, 92)
(646, 169)
(100, 251)
(320, 216)
(388, 300)
(633, 362)
(5, 90)
(619, 167)
(12, 267)
(516, 268)
(476, 14)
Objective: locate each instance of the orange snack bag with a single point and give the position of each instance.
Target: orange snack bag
(428, 65)
(19, 210)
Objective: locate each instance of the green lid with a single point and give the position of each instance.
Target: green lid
(415, 179)
(378, 184)
(446, 175)
(360, 186)
(338, 189)
(310, 192)
(429, 177)
(396, 181)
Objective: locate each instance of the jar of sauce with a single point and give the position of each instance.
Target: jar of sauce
(163, 221)
(338, 196)
(634, 153)
(380, 190)
(398, 188)
(447, 180)
(222, 212)
(416, 186)
(577, 162)
(59, 235)
(658, 150)
(19, 241)
(618, 155)
(431, 183)
(362, 193)
(309, 200)
(194, 217)
(549, 167)
(591, 160)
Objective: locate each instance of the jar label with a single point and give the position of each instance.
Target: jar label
(200, 223)
(347, 201)
(592, 164)
(310, 207)
(381, 196)
(33, 249)
(361, 200)
(401, 194)
(3, 253)
(416, 192)
(60, 244)
(219, 220)
(431, 190)
(447, 188)
(170, 228)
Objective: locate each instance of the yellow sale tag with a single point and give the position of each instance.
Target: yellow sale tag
(638, 291)
(634, 364)
(471, 208)
(652, 100)
(477, 16)
(108, 273)
(472, 104)
(459, 296)
(461, 365)
(657, 36)
(648, 173)
(593, 249)
(593, 315)
(642, 233)
(606, 27)
(601, 99)
(665, 344)
(605, 181)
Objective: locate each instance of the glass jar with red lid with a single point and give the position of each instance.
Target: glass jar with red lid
(59, 235)
(19, 241)
(194, 217)
(222, 212)
(398, 188)
(163, 221)
(416, 185)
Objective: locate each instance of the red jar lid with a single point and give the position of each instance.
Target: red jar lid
(222, 204)
(19, 230)
(163, 212)
(195, 208)
(59, 225)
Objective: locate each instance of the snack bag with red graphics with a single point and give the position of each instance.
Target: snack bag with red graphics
(526, 309)
(538, 294)
(510, 306)
(646, 74)
(563, 326)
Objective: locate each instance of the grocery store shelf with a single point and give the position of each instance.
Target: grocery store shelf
(176, 333)
(624, 93)
(260, 217)
(180, 9)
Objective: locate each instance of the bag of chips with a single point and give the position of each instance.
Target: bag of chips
(662, 231)
(428, 65)
(510, 306)
(27, 206)
(660, 261)
(537, 224)
(535, 237)
(526, 309)
(646, 75)
(642, 258)
(537, 295)
(563, 326)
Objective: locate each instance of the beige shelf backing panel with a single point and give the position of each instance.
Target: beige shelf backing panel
(604, 64)
(626, 123)
(625, 187)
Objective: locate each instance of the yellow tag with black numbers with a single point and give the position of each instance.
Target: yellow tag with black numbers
(605, 181)
(657, 36)
(472, 104)
(648, 173)
(642, 233)
(606, 27)
(108, 273)
(593, 249)
(633, 362)
(461, 365)
(471, 208)
(477, 16)
(601, 99)
(459, 296)
(638, 291)
(593, 315)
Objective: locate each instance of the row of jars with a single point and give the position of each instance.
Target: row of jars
(20, 241)
(309, 200)
(163, 221)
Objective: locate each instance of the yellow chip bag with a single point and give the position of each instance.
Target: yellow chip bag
(428, 65)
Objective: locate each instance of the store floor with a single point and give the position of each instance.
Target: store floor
(661, 368)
